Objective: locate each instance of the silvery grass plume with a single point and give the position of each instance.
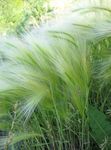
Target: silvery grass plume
(48, 77)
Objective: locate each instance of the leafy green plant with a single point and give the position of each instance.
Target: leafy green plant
(101, 127)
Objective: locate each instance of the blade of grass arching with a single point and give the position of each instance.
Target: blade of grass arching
(28, 107)
(95, 8)
(64, 36)
(72, 71)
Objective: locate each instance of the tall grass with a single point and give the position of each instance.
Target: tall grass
(55, 84)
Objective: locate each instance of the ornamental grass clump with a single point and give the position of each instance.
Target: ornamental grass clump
(55, 84)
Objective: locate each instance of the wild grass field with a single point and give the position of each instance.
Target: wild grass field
(55, 83)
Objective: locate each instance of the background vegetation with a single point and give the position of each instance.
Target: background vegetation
(17, 16)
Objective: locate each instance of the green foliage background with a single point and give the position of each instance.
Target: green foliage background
(16, 15)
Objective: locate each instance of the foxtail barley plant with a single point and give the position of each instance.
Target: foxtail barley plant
(55, 85)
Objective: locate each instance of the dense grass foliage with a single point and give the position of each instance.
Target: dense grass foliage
(17, 16)
(55, 84)
(11, 13)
